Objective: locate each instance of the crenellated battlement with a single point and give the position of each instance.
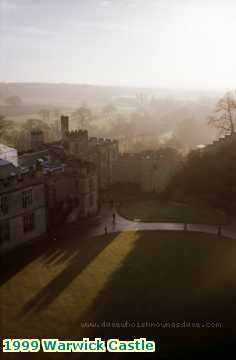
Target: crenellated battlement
(76, 133)
(223, 141)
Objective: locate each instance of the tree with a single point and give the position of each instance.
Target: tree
(8, 131)
(1, 123)
(5, 125)
(36, 124)
(188, 133)
(56, 113)
(13, 100)
(32, 124)
(224, 117)
(45, 113)
(109, 109)
(83, 116)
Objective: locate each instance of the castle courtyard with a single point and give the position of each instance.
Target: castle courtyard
(102, 286)
(154, 210)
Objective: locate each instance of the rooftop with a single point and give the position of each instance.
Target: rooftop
(29, 159)
(5, 148)
(4, 162)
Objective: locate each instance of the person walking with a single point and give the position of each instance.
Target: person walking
(113, 218)
(105, 230)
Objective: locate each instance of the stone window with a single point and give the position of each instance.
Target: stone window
(27, 198)
(28, 222)
(3, 205)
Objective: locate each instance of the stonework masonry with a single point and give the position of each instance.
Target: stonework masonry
(102, 152)
(22, 210)
(152, 172)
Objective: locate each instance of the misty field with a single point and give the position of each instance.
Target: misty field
(160, 211)
(131, 276)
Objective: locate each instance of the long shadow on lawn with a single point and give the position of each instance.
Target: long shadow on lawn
(61, 243)
(87, 249)
(16, 260)
(162, 280)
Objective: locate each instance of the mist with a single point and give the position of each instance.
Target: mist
(157, 43)
(140, 118)
(118, 177)
(149, 73)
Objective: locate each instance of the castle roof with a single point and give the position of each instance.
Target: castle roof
(5, 148)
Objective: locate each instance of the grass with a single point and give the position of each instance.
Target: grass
(160, 211)
(132, 276)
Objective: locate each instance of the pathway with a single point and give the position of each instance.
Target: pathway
(122, 224)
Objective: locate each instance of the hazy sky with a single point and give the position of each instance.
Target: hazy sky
(167, 43)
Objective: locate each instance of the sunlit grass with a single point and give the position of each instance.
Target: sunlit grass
(130, 275)
(60, 291)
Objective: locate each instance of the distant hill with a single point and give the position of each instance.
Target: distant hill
(74, 94)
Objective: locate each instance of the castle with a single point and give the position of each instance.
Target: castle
(40, 188)
(101, 152)
(22, 209)
(150, 170)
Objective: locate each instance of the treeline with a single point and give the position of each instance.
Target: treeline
(150, 124)
(208, 176)
(154, 123)
(17, 134)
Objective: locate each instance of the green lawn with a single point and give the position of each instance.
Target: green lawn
(158, 211)
(132, 276)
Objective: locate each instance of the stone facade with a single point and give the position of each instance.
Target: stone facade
(75, 188)
(99, 151)
(103, 153)
(22, 210)
(223, 142)
(76, 143)
(152, 171)
(72, 172)
(70, 182)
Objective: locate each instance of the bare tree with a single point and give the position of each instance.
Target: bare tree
(83, 116)
(224, 117)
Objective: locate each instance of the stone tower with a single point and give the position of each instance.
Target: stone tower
(64, 125)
